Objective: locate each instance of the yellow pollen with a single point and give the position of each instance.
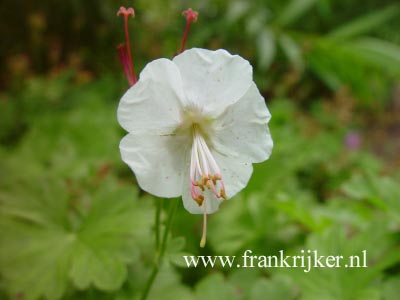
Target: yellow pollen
(208, 185)
(199, 200)
(223, 194)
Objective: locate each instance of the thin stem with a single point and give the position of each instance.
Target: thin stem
(204, 235)
(159, 204)
(191, 16)
(124, 59)
(185, 35)
(128, 46)
(160, 254)
(124, 51)
(150, 281)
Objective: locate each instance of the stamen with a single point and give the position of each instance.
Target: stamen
(223, 194)
(212, 160)
(196, 153)
(196, 196)
(204, 170)
(191, 16)
(203, 159)
(125, 51)
(204, 235)
(211, 186)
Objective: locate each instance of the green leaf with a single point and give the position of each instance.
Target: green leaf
(294, 10)
(167, 286)
(70, 144)
(266, 48)
(244, 278)
(292, 51)
(215, 287)
(366, 23)
(379, 52)
(324, 62)
(91, 265)
(50, 239)
(275, 288)
(237, 10)
(383, 192)
(342, 282)
(391, 288)
(175, 252)
(331, 62)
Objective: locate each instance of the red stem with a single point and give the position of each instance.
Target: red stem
(191, 16)
(128, 46)
(185, 34)
(124, 59)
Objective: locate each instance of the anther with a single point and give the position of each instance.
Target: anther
(204, 180)
(223, 194)
(199, 199)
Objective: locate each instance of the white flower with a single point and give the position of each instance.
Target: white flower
(196, 124)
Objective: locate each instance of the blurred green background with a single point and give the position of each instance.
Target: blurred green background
(74, 224)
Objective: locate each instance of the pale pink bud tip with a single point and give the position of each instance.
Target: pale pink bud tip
(190, 15)
(126, 12)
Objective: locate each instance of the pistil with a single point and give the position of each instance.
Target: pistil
(124, 50)
(204, 235)
(191, 16)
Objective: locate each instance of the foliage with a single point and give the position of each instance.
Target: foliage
(295, 42)
(73, 223)
(70, 217)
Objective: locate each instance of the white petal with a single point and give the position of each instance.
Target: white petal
(153, 104)
(157, 161)
(242, 130)
(213, 80)
(235, 174)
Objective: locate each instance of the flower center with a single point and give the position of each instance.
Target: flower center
(204, 170)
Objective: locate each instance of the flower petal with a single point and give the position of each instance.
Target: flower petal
(213, 80)
(242, 130)
(153, 104)
(157, 162)
(235, 174)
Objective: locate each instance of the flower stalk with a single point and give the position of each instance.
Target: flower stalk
(159, 204)
(161, 250)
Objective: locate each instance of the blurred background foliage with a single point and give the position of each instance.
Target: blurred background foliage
(73, 223)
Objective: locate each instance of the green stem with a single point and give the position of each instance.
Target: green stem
(159, 205)
(160, 252)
